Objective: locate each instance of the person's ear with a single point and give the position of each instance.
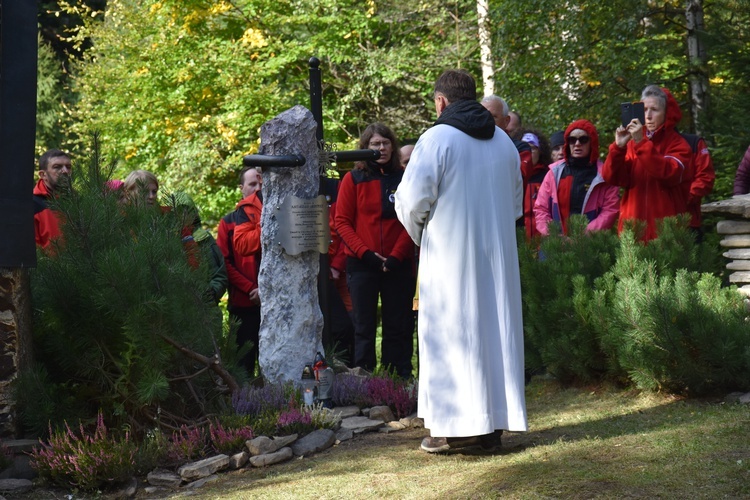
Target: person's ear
(440, 103)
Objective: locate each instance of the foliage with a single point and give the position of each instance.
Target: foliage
(152, 451)
(399, 395)
(294, 420)
(228, 440)
(601, 308)
(114, 298)
(257, 401)
(187, 444)
(85, 461)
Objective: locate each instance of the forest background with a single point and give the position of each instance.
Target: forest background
(181, 87)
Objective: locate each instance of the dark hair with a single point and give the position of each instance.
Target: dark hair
(244, 171)
(48, 155)
(380, 129)
(456, 85)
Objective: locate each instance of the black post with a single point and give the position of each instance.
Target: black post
(316, 107)
(18, 55)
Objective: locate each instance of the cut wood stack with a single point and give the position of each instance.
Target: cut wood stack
(735, 233)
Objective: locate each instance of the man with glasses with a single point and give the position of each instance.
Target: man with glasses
(459, 200)
(575, 186)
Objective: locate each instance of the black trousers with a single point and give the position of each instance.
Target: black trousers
(396, 291)
(249, 326)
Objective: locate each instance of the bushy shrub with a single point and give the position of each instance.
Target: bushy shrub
(85, 461)
(120, 311)
(257, 401)
(228, 440)
(598, 307)
(187, 444)
(399, 395)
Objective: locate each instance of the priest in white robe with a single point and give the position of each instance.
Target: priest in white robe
(459, 200)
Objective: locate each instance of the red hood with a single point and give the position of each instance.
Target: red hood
(591, 131)
(674, 113)
(250, 201)
(41, 189)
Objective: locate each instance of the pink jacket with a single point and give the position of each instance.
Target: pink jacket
(601, 206)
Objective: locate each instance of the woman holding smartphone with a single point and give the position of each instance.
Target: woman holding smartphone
(652, 162)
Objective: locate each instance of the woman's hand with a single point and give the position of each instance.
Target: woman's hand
(622, 136)
(635, 128)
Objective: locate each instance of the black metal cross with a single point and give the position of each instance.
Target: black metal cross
(325, 157)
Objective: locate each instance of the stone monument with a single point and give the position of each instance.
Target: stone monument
(291, 321)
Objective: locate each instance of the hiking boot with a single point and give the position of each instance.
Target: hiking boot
(441, 445)
(491, 442)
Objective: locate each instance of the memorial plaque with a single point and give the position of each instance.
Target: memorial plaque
(303, 225)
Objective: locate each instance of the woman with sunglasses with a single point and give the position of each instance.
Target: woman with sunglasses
(574, 185)
(653, 162)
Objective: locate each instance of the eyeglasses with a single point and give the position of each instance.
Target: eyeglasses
(378, 145)
(584, 139)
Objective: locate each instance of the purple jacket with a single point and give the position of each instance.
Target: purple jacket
(601, 206)
(742, 178)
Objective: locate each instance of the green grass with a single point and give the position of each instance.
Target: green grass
(582, 443)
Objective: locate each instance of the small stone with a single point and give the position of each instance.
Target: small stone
(284, 441)
(343, 435)
(418, 423)
(15, 486)
(272, 458)
(346, 411)
(238, 460)
(360, 424)
(736, 241)
(383, 413)
(128, 489)
(262, 445)
(201, 482)
(366, 412)
(314, 442)
(203, 468)
(150, 490)
(160, 477)
(733, 227)
(745, 398)
(358, 371)
(396, 426)
(733, 397)
(739, 265)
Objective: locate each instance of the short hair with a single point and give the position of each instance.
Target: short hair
(136, 180)
(48, 155)
(500, 100)
(381, 129)
(456, 85)
(246, 170)
(520, 120)
(656, 92)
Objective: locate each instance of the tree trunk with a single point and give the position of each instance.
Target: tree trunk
(485, 47)
(697, 64)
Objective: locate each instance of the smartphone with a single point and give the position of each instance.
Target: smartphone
(630, 110)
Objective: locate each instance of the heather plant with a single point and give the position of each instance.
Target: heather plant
(294, 420)
(257, 401)
(187, 444)
(399, 395)
(86, 461)
(228, 440)
(152, 451)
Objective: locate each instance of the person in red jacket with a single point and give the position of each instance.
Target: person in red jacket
(379, 254)
(54, 170)
(243, 267)
(653, 162)
(533, 173)
(703, 181)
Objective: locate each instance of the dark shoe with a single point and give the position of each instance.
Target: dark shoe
(491, 442)
(441, 445)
